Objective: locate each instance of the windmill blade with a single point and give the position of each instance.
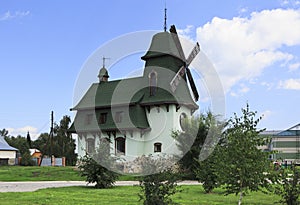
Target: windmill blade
(192, 84)
(177, 42)
(175, 81)
(193, 54)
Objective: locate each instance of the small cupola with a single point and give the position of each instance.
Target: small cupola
(103, 73)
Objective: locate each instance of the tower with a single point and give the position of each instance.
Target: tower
(103, 73)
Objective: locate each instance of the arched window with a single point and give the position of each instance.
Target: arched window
(120, 146)
(182, 120)
(153, 83)
(157, 147)
(90, 145)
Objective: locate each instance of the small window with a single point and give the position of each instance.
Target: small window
(103, 118)
(119, 116)
(88, 119)
(157, 147)
(153, 83)
(182, 120)
(120, 146)
(90, 145)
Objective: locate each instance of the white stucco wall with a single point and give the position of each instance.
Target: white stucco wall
(161, 122)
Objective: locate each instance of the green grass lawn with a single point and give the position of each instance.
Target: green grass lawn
(35, 173)
(192, 194)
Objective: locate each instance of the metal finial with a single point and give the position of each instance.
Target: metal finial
(103, 59)
(165, 23)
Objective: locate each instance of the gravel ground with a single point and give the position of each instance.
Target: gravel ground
(33, 186)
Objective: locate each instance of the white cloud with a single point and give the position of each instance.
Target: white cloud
(23, 132)
(290, 84)
(266, 114)
(187, 32)
(294, 66)
(18, 14)
(240, 91)
(241, 48)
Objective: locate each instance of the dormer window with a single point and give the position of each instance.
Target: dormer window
(119, 116)
(88, 119)
(153, 83)
(103, 118)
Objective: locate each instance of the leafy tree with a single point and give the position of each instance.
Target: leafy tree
(244, 164)
(64, 143)
(207, 172)
(4, 133)
(159, 181)
(288, 186)
(21, 144)
(197, 141)
(61, 144)
(97, 167)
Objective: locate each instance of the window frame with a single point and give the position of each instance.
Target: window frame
(117, 146)
(103, 118)
(157, 147)
(152, 83)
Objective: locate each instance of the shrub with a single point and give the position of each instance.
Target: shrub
(289, 187)
(97, 167)
(157, 187)
(96, 173)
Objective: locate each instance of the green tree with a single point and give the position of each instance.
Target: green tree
(197, 141)
(97, 167)
(21, 144)
(64, 143)
(28, 140)
(159, 182)
(288, 186)
(244, 165)
(61, 144)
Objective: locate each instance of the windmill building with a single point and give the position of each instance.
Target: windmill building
(137, 115)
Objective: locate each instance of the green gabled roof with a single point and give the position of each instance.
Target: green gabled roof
(106, 94)
(133, 117)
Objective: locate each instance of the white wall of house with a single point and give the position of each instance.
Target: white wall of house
(8, 154)
(161, 122)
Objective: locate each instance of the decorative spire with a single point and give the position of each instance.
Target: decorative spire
(103, 59)
(165, 23)
(103, 73)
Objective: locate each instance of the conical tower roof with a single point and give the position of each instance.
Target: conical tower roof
(162, 44)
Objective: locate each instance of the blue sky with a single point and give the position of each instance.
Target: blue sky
(254, 46)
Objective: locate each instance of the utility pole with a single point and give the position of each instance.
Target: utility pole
(49, 139)
(51, 135)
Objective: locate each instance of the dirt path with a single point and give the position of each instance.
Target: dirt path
(33, 186)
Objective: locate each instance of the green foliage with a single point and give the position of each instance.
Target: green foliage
(288, 186)
(244, 164)
(197, 142)
(98, 167)
(22, 145)
(160, 184)
(207, 172)
(60, 145)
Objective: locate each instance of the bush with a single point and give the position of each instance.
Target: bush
(96, 173)
(289, 187)
(97, 167)
(159, 183)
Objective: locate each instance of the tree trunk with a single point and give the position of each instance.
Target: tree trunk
(241, 197)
